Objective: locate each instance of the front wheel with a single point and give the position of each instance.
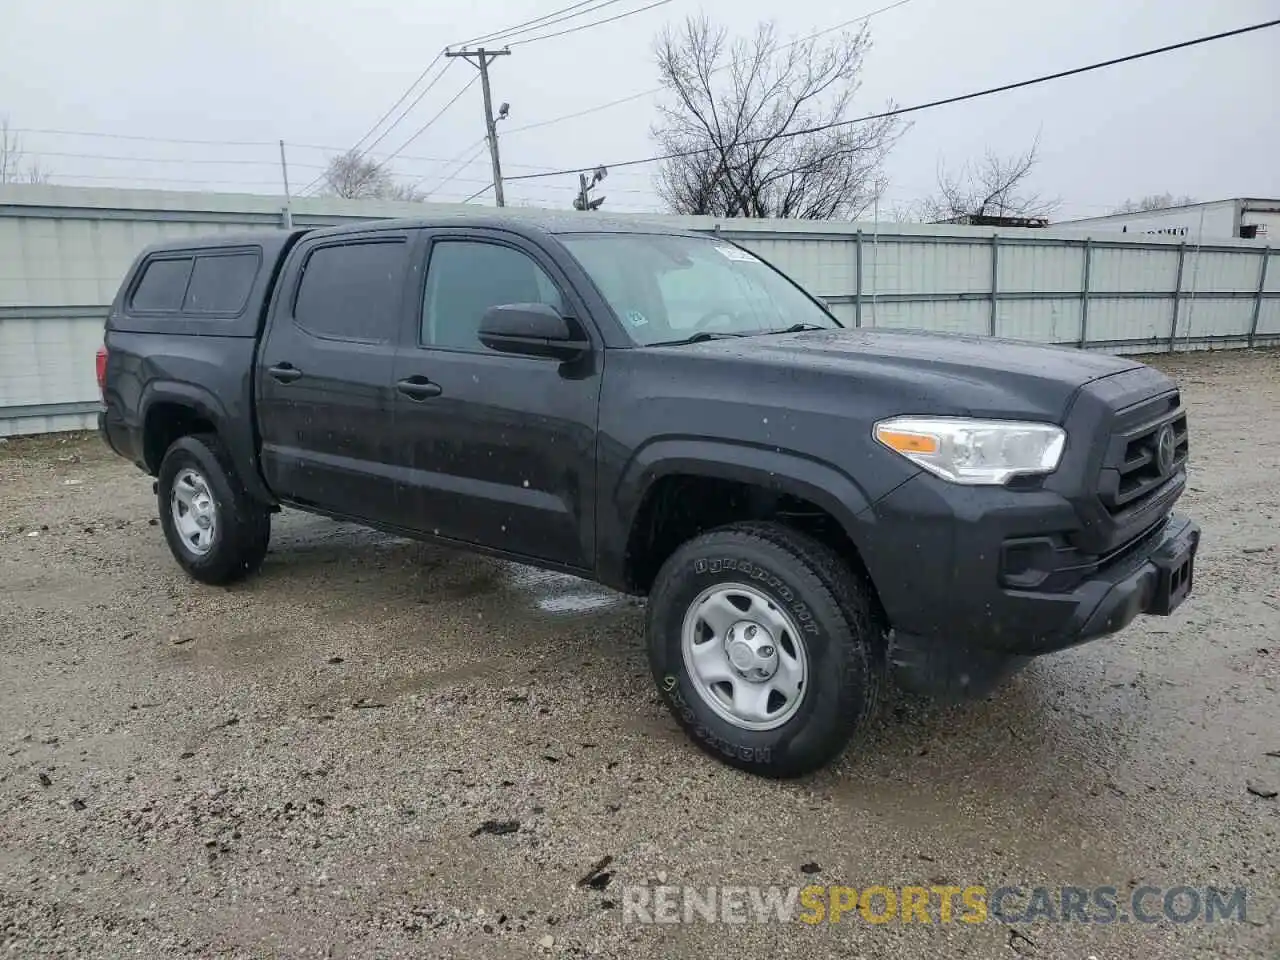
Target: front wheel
(764, 647)
(215, 529)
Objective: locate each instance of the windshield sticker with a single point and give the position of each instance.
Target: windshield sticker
(636, 318)
(733, 253)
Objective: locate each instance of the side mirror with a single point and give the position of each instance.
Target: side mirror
(532, 330)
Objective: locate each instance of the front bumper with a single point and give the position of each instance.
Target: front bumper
(939, 556)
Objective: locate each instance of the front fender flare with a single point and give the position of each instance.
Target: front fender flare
(769, 467)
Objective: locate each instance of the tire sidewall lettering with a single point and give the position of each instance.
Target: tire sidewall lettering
(797, 608)
(751, 747)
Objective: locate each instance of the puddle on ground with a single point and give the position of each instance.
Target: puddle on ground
(549, 592)
(560, 593)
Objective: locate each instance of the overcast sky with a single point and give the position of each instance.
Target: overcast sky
(1203, 122)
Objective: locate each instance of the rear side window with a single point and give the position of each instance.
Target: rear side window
(352, 291)
(221, 284)
(162, 285)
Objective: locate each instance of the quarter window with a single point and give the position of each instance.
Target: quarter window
(162, 285)
(465, 278)
(352, 291)
(221, 284)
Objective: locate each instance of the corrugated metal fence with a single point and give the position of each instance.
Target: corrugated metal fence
(64, 250)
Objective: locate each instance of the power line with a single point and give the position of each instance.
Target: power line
(398, 120)
(594, 23)
(423, 129)
(405, 112)
(419, 132)
(656, 90)
(183, 160)
(241, 161)
(151, 139)
(478, 193)
(583, 113)
(453, 176)
(54, 177)
(506, 35)
(544, 20)
(403, 96)
(477, 146)
(485, 38)
(926, 106)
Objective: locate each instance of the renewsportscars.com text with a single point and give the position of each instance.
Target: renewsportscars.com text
(817, 904)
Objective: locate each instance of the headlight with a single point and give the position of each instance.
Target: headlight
(974, 451)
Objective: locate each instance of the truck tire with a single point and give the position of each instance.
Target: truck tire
(764, 645)
(216, 530)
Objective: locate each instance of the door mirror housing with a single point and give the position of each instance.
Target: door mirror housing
(532, 330)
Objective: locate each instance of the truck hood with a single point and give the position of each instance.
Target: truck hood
(970, 374)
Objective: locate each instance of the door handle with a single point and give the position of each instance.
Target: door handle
(284, 372)
(418, 387)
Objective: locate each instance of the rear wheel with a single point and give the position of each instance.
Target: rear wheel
(764, 647)
(215, 529)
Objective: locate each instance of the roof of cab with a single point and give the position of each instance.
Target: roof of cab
(271, 242)
(530, 224)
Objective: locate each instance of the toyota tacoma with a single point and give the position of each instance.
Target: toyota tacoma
(809, 509)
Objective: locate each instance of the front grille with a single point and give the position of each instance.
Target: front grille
(1134, 471)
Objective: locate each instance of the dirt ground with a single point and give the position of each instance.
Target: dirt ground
(304, 765)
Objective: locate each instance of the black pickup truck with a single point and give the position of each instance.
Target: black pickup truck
(808, 508)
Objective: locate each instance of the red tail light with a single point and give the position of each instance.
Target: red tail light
(102, 371)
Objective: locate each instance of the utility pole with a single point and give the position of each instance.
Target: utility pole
(288, 204)
(481, 58)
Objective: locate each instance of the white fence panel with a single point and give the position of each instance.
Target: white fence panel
(1141, 270)
(1047, 320)
(1040, 269)
(964, 316)
(64, 251)
(1127, 321)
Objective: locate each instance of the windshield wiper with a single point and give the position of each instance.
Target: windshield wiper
(798, 328)
(700, 337)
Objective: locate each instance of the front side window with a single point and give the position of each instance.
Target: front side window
(352, 291)
(467, 277)
(162, 286)
(669, 287)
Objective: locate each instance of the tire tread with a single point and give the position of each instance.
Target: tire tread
(834, 584)
(245, 522)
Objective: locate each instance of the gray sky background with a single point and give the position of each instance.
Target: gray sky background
(1202, 121)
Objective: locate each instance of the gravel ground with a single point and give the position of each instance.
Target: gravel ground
(304, 765)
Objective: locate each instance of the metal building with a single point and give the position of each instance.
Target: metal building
(1244, 218)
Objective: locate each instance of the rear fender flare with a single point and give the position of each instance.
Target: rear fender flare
(205, 403)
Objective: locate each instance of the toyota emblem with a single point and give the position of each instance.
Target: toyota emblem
(1165, 449)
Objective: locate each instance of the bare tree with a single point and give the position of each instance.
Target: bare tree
(354, 177)
(992, 187)
(35, 174)
(1154, 201)
(12, 168)
(745, 122)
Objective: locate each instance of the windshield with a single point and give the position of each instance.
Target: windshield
(671, 288)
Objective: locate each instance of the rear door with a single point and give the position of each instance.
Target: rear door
(502, 447)
(326, 404)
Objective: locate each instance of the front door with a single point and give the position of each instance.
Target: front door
(503, 447)
(326, 398)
